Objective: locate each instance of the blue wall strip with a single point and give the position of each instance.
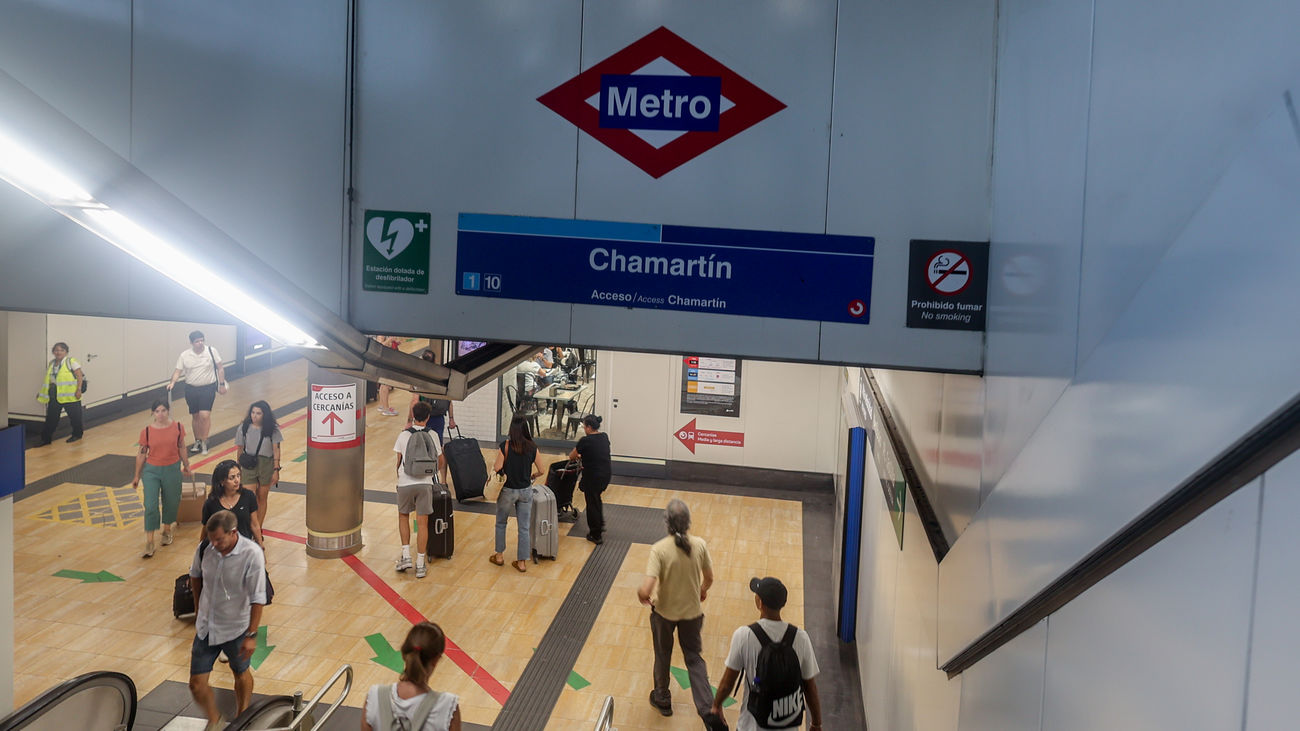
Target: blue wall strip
(564, 227)
(847, 621)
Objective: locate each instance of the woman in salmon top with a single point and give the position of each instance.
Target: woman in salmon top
(160, 462)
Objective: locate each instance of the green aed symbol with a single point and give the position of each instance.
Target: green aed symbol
(396, 252)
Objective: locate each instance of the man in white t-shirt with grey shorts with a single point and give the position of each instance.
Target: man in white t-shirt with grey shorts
(415, 493)
(770, 596)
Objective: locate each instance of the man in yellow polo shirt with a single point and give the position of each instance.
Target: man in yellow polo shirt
(679, 574)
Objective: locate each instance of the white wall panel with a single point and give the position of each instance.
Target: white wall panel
(1039, 147)
(877, 602)
(910, 143)
(97, 342)
(1004, 691)
(25, 359)
(1161, 643)
(1149, 406)
(1177, 86)
(238, 108)
(1275, 641)
(448, 122)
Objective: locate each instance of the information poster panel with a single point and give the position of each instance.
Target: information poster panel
(710, 386)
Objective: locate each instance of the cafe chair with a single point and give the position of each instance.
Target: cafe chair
(574, 422)
(521, 405)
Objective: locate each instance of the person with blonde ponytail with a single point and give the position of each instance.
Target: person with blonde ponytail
(410, 704)
(680, 573)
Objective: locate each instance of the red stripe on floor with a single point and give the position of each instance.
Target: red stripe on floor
(476, 672)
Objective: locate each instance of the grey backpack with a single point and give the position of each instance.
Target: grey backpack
(421, 458)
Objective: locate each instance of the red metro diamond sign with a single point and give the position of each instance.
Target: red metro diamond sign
(661, 102)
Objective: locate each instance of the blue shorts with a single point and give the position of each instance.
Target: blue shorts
(203, 655)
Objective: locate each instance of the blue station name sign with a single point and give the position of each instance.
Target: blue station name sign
(717, 270)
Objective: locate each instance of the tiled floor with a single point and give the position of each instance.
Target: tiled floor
(326, 613)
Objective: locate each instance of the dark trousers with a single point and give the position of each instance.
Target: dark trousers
(595, 508)
(52, 418)
(688, 633)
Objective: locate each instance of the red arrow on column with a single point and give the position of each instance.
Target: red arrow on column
(332, 419)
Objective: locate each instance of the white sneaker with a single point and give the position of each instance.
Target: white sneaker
(421, 570)
(404, 563)
(195, 447)
(205, 446)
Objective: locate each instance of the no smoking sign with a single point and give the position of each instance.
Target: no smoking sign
(947, 284)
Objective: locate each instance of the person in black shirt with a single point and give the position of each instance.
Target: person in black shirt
(593, 450)
(521, 462)
(228, 494)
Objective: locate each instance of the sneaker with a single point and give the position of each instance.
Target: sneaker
(421, 570)
(73, 438)
(665, 709)
(167, 538)
(404, 563)
(388, 412)
(195, 447)
(205, 446)
(595, 539)
(148, 550)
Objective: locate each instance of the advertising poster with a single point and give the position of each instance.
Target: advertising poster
(710, 386)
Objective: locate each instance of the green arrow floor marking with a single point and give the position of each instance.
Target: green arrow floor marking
(301, 458)
(88, 578)
(262, 650)
(384, 653)
(683, 679)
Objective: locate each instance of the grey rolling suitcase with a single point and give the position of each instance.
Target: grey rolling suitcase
(543, 528)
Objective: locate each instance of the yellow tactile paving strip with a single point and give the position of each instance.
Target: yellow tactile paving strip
(323, 611)
(109, 507)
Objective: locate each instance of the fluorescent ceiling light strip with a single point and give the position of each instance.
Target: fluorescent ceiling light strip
(37, 178)
(175, 264)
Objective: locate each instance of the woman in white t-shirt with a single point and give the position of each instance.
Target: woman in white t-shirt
(410, 704)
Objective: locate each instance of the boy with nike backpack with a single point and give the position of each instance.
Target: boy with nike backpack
(777, 662)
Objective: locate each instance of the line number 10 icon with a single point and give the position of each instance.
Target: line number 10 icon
(492, 282)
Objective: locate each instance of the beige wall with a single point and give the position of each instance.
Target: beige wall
(120, 357)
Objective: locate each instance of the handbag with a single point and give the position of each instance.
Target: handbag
(250, 461)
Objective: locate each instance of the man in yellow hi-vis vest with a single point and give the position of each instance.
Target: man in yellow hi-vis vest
(61, 390)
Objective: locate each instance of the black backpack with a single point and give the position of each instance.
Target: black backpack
(776, 690)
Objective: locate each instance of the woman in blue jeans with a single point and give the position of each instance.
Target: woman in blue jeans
(521, 463)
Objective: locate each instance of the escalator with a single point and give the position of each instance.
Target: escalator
(106, 701)
(99, 701)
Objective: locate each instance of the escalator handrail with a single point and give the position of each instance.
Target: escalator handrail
(39, 705)
(605, 720)
(240, 722)
(345, 671)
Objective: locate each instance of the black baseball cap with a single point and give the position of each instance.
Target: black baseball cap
(770, 590)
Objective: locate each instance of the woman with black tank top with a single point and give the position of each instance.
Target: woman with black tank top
(521, 463)
(593, 450)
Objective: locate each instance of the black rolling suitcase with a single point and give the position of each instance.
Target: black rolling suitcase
(469, 472)
(442, 525)
(562, 478)
(182, 597)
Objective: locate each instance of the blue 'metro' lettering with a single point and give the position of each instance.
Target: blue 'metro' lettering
(687, 103)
